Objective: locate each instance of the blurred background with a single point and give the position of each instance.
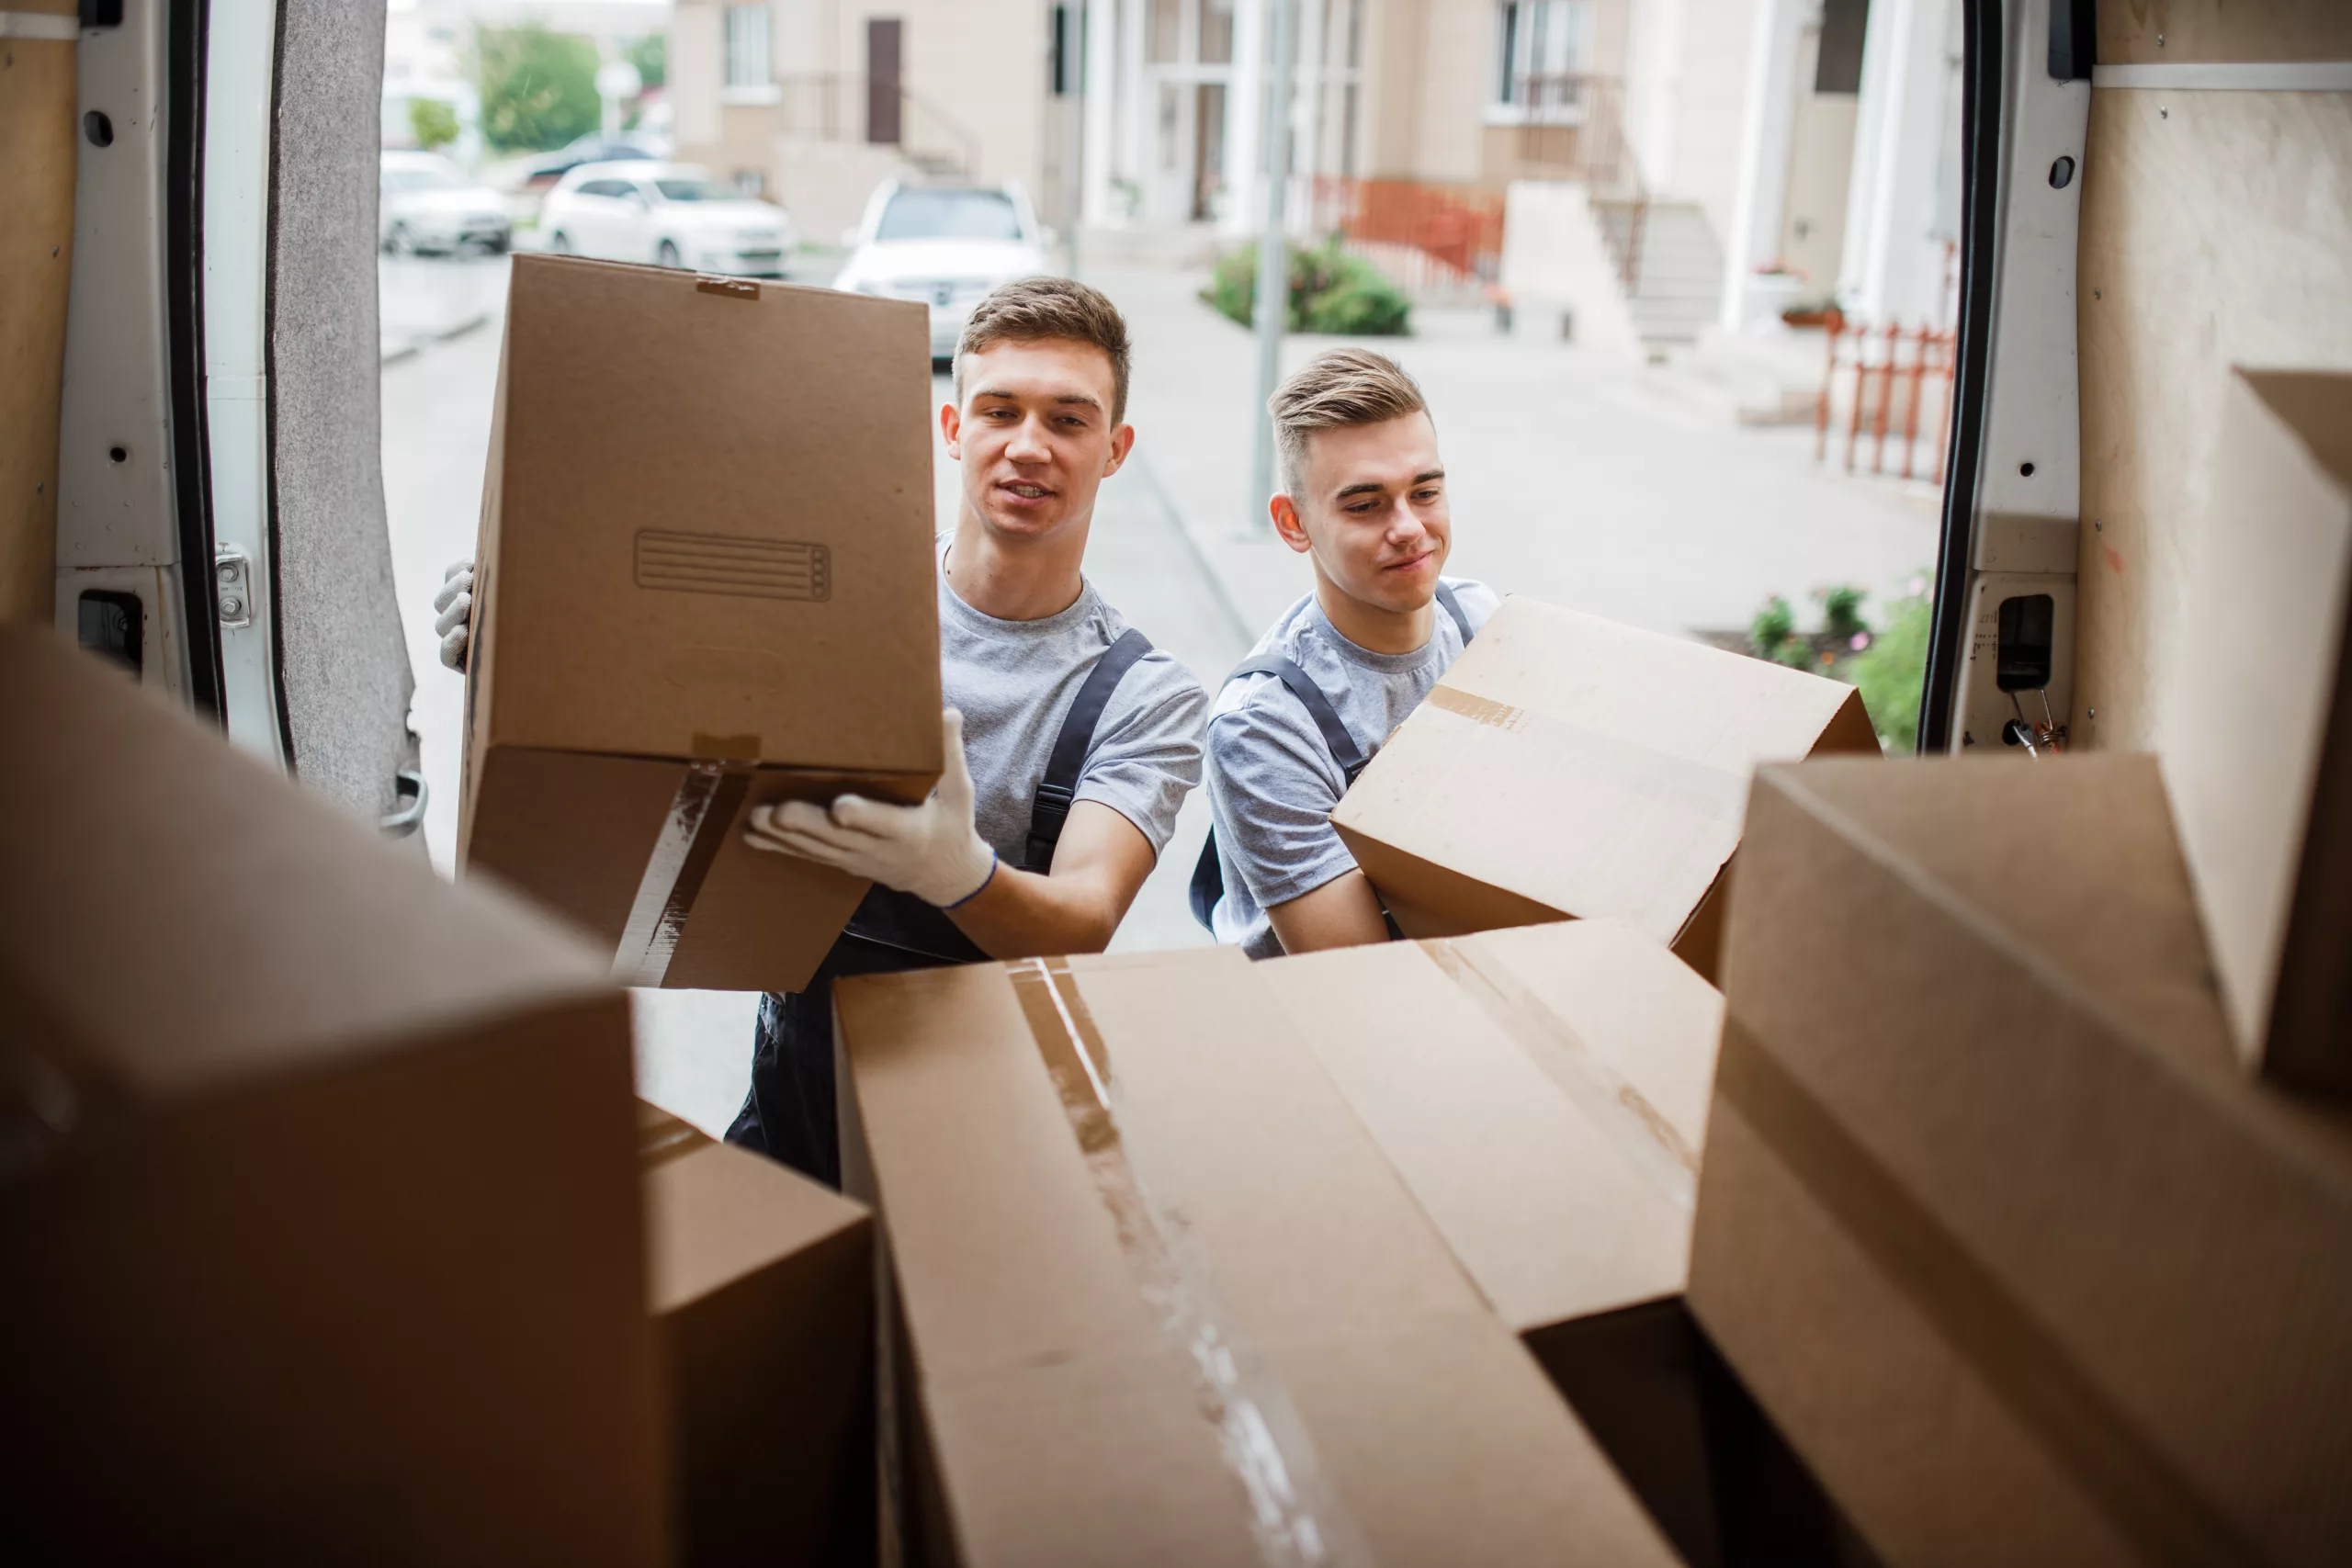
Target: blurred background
(1678, 277)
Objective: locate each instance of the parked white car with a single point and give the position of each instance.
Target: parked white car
(423, 202)
(669, 214)
(946, 245)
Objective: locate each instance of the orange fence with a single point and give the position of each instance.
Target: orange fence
(1887, 369)
(1454, 232)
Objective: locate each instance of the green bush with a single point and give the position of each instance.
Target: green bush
(538, 88)
(1892, 671)
(1841, 611)
(1331, 291)
(432, 122)
(1772, 635)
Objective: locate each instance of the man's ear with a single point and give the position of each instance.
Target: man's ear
(951, 426)
(1122, 441)
(1288, 523)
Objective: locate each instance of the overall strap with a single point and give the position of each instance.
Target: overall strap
(1336, 739)
(1454, 607)
(1208, 874)
(1058, 791)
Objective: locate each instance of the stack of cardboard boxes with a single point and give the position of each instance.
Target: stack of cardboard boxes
(2012, 1214)
(333, 1228)
(334, 1221)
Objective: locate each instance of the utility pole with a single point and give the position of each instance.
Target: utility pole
(1274, 269)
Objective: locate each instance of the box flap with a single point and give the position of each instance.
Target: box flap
(713, 523)
(205, 922)
(1589, 768)
(1068, 1269)
(715, 1213)
(2256, 738)
(1560, 1187)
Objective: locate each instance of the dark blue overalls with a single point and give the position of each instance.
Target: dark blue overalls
(789, 1113)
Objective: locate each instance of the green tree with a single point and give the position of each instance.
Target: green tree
(432, 122)
(538, 88)
(651, 55)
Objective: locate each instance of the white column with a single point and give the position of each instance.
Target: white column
(1307, 70)
(1654, 88)
(1769, 122)
(1101, 149)
(1245, 104)
(1136, 112)
(1893, 261)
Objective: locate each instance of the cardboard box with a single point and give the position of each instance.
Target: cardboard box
(1148, 1267)
(319, 1195)
(705, 582)
(1570, 767)
(1543, 1092)
(1990, 1220)
(762, 1284)
(2257, 737)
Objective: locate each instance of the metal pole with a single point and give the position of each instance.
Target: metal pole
(1274, 270)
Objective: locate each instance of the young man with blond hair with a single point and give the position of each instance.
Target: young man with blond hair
(1069, 740)
(1364, 499)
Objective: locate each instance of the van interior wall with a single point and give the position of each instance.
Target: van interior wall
(2216, 229)
(36, 85)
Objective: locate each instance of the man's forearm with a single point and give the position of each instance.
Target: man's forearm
(1344, 912)
(1021, 914)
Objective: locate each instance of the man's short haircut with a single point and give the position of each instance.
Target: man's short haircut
(1033, 308)
(1338, 389)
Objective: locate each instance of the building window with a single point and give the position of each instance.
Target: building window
(1540, 51)
(748, 60)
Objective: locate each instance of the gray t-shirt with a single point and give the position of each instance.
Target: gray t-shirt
(1014, 681)
(1272, 783)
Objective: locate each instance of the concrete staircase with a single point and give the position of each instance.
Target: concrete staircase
(1678, 288)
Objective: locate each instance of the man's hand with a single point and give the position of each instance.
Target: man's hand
(455, 604)
(931, 850)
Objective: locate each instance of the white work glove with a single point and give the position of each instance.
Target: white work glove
(933, 851)
(456, 604)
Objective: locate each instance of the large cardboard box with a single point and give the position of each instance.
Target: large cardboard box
(1990, 1220)
(319, 1190)
(704, 583)
(761, 1282)
(1570, 767)
(2257, 737)
(1158, 1297)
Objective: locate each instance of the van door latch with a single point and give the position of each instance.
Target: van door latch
(232, 586)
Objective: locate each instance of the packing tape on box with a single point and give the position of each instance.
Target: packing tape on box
(2139, 1491)
(689, 840)
(1717, 794)
(1634, 1127)
(1294, 1517)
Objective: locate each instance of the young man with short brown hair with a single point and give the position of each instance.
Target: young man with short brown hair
(1069, 740)
(1363, 498)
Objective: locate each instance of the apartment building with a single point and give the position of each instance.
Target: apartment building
(814, 102)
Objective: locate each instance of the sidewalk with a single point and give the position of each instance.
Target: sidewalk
(1621, 491)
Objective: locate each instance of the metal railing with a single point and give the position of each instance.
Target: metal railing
(1877, 362)
(1574, 129)
(881, 111)
(1425, 237)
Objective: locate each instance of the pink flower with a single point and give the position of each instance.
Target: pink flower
(1862, 640)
